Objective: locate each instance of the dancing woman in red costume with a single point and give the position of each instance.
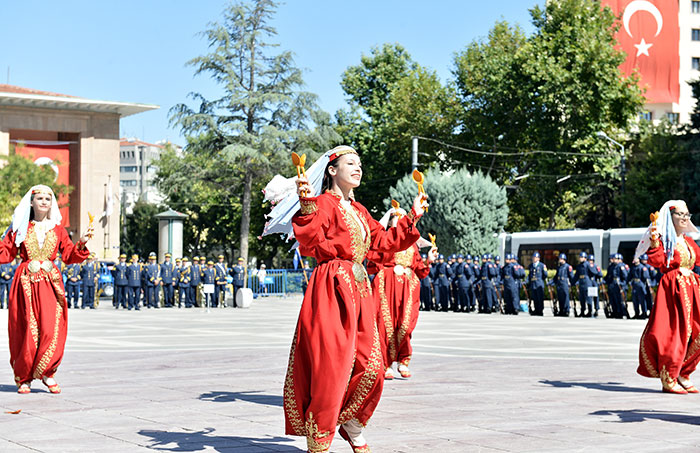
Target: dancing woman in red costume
(335, 371)
(37, 309)
(397, 288)
(670, 345)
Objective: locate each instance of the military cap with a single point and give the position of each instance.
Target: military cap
(644, 256)
(498, 258)
(536, 255)
(195, 258)
(123, 255)
(591, 257)
(178, 260)
(460, 256)
(583, 255)
(441, 257)
(562, 256)
(210, 262)
(468, 256)
(152, 256)
(220, 256)
(184, 259)
(424, 256)
(134, 255)
(168, 255)
(619, 256)
(241, 259)
(613, 256)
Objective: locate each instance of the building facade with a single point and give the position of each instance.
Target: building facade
(79, 137)
(137, 171)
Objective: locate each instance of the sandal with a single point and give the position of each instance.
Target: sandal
(686, 383)
(51, 384)
(672, 386)
(355, 449)
(388, 374)
(24, 388)
(404, 371)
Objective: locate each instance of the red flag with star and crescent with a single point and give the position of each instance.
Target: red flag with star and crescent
(649, 34)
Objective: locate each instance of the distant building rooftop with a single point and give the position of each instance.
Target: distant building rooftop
(11, 95)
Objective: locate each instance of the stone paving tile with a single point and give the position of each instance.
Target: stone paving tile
(187, 380)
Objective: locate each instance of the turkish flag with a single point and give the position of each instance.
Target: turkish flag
(649, 35)
(58, 157)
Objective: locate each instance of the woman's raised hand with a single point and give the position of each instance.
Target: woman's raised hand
(420, 203)
(304, 188)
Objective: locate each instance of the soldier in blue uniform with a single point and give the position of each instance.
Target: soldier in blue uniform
(72, 284)
(166, 280)
(152, 276)
(120, 273)
(220, 288)
(583, 277)
(471, 281)
(88, 277)
(426, 291)
(519, 273)
(562, 280)
(596, 281)
(613, 280)
(6, 274)
(441, 284)
(537, 273)
(489, 297)
(638, 278)
(196, 275)
(176, 281)
(209, 278)
(134, 282)
(651, 283)
(511, 299)
(237, 274)
(476, 284)
(184, 284)
(463, 286)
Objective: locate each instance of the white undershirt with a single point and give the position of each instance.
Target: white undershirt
(40, 229)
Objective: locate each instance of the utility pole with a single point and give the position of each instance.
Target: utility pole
(414, 153)
(623, 172)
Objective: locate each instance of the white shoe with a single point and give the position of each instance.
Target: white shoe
(353, 429)
(404, 371)
(389, 374)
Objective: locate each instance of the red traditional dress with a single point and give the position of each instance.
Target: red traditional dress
(670, 344)
(37, 309)
(335, 372)
(397, 287)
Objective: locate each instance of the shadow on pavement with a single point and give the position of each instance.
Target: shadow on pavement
(634, 416)
(251, 397)
(8, 388)
(201, 440)
(604, 386)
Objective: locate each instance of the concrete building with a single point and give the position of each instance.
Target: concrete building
(136, 171)
(82, 137)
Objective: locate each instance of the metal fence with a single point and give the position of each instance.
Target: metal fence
(277, 282)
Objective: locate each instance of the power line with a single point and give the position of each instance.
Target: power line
(521, 153)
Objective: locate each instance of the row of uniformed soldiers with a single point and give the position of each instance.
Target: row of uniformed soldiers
(81, 278)
(180, 281)
(463, 284)
(7, 274)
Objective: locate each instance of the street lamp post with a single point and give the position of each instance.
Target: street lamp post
(623, 172)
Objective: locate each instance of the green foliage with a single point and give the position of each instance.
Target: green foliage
(392, 99)
(553, 90)
(238, 140)
(17, 175)
(140, 233)
(466, 210)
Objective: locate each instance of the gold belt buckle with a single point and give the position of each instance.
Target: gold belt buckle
(358, 270)
(685, 272)
(398, 269)
(36, 265)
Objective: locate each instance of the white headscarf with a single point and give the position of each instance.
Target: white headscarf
(20, 218)
(384, 221)
(666, 231)
(282, 193)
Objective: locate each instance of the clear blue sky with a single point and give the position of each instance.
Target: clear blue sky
(135, 50)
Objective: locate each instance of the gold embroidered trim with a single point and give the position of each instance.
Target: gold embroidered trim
(687, 304)
(313, 442)
(345, 276)
(27, 288)
(406, 361)
(404, 258)
(686, 253)
(31, 243)
(411, 216)
(367, 381)
(307, 206)
(48, 355)
(290, 402)
(386, 316)
(408, 310)
(651, 369)
(667, 381)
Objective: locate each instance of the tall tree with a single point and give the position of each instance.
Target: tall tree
(551, 91)
(261, 114)
(391, 98)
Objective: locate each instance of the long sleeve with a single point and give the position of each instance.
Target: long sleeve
(310, 226)
(395, 239)
(419, 267)
(8, 249)
(70, 253)
(657, 257)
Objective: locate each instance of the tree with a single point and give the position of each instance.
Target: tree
(141, 229)
(391, 99)
(467, 210)
(17, 176)
(261, 116)
(552, 92)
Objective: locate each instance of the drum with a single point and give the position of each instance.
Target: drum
(244, 298)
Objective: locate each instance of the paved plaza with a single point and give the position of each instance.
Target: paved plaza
(178, 380)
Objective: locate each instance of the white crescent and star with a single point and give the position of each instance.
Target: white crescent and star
(633, 8)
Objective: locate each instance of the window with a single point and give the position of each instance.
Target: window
(646, 115)
(696, 63)
(695, 34)
(129, 169)
(128, 183)
(695, 6)
(672, 117)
